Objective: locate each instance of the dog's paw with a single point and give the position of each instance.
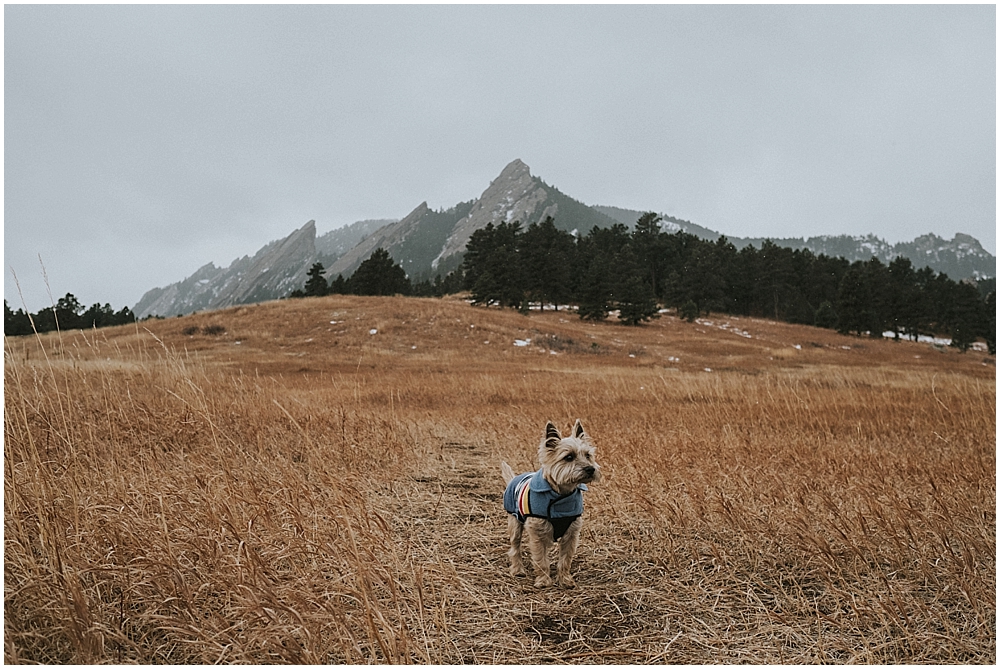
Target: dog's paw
(517, 571)
(567, 581)
(543, 581)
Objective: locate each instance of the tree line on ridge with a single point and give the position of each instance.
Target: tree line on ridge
(612, 271)
(632, 274)
(67, 314)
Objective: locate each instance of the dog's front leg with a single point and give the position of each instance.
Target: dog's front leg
(539, 542)
(514, 531)
(567, 549)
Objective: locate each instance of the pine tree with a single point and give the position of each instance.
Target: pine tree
(862, 305)
(593, 279)
(492, 265)
(15, 323)
(821, 278)
(853, 301)
(316, 285)
(97, 316)
(379, 275)
(688, 311)
(546, 255)
(777, 281)
(122, 317)
(678, 248)
(487, 288)
(702, 279)
(593, 289)
(338, 286)
(646, 241)
(964, 315)
(478, 251)
(744, 292)
(899, 296)
(452, 282)
(922, 309)
(632, 294)
(826, 317)
(67, 311)
(988, 324)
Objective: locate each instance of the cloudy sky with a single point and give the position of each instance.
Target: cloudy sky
(142, 142)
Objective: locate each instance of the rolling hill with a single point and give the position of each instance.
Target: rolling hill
(317, 481)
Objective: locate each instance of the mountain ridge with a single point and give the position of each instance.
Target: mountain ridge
(413, 241)
(275, 270)
(337, 242)
(427, 242)
(962, 257)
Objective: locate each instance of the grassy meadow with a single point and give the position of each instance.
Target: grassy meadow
(317, 481)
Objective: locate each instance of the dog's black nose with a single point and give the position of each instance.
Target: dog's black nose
(589, 471)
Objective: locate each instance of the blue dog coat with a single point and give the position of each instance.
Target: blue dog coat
(529, 494)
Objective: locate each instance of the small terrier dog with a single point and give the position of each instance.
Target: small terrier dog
(549, 503)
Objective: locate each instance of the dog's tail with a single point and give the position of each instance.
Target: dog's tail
(506, 471)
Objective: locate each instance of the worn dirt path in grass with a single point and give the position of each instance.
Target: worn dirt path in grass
(449, 519)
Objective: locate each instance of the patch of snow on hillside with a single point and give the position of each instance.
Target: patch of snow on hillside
(724, 326)
(521, 342)
(925, 339)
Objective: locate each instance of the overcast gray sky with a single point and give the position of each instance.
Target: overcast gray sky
(142, 142)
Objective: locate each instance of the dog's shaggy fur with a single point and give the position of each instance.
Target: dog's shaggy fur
(566, 462)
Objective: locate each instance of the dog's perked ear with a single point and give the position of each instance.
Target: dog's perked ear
(552, 437)
(578, 430)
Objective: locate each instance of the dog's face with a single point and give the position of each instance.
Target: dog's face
(568, 461)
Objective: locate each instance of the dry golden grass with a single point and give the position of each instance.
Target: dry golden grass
(297, 489)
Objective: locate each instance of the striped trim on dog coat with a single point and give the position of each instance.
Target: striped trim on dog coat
(530, 495)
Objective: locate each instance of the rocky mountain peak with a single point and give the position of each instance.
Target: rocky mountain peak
(967, 240)
(277, 272)
(428, 241)
(961, 257)
(514, 170)
(514, 195)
